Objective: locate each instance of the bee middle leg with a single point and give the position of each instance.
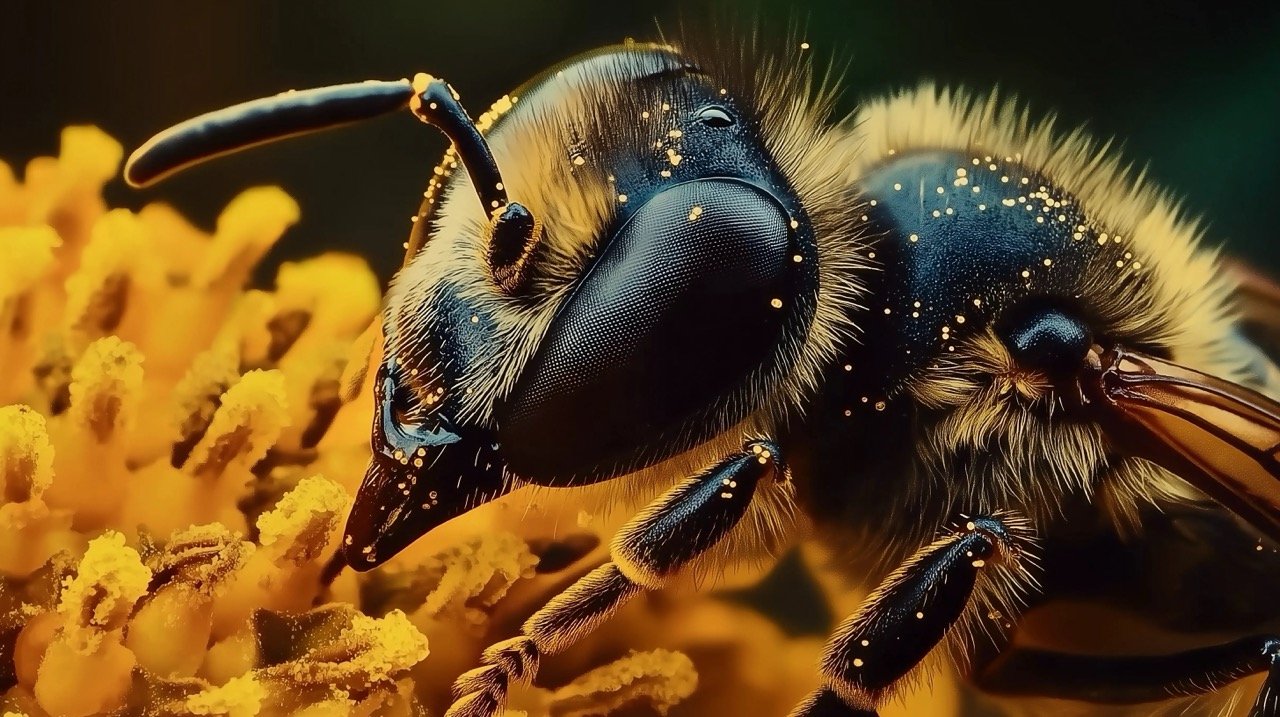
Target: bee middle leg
(985, 560)
(671, 533)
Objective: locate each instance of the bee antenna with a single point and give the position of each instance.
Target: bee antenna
(260, 121)
(299, 112)
(435, 103)
(514, 234)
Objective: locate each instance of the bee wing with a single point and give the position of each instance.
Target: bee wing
(1220, 436)
(1258, 297)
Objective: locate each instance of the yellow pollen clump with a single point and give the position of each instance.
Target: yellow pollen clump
(661, 679)
(296, 530)
(26, 455)
(239, 697)
(109, 580)
(249, 420)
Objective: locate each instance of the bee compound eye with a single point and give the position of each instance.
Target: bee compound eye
(715, 116)
(688, 300)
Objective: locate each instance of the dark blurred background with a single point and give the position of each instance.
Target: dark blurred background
(1191, 88)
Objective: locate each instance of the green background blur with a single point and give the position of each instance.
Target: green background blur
(1191, 88)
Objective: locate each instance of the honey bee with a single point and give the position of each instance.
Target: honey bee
(963, 348)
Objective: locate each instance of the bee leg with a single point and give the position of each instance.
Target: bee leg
(1137, 679)
(678, 527)
(915, 608)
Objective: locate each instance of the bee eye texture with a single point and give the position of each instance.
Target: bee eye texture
(693, 292)
(715, 117)
(1047, 339)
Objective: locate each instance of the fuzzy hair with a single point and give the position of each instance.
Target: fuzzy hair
(1152, 285)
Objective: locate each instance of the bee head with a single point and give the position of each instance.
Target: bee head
(676, 279)
(636, 256)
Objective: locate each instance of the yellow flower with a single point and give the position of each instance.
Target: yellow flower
(178, 454)
(165, 515)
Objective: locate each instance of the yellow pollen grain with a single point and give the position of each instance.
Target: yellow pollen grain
(775, 303)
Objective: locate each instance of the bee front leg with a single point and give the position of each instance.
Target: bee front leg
(671, 533)
(982, 565)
